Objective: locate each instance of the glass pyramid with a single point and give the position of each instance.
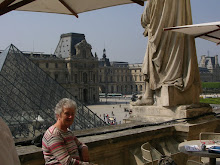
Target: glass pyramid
(28, 96)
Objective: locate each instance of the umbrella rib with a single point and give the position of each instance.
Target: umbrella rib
(6, 3)
(208, 32)
(69, 8)
(15, 6)
(212, 37)
(138, 2)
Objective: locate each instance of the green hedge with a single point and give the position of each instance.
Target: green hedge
(211, 85)
(210, 100)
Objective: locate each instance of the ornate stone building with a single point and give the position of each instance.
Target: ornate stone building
(85, 76)
(73, 66)
(120, 77)
(209, 69)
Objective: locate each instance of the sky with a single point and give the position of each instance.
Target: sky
(117, 29)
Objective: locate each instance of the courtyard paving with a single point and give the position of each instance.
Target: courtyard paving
(113, 108)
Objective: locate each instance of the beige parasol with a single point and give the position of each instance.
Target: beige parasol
(208, 31)
(72, 7)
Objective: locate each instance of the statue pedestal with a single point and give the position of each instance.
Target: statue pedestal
(171, 96)
(158, 114)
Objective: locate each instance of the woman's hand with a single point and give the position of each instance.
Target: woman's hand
(85, 154)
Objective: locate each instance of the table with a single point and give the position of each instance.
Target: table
(212, 156)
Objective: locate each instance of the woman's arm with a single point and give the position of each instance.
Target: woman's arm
(83, 150)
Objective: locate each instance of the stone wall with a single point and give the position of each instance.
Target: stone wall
(118, 144)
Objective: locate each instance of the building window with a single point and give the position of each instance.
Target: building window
(47, 65)
(84, 53)
(131, 88)
(94, 78)
(75, 77)
(56, 65)
(141, 88)
(140, 78)
(66, 65)
(112, 89)
(66, 77)
(85, 77)
(56, 77)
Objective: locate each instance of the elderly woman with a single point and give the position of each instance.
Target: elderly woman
(59, 144)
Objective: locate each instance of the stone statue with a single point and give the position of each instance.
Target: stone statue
(170, 60)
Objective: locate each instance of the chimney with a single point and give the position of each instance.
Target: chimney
(202, 62)
(216, 61)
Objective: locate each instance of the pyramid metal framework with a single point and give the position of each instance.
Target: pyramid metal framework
(28, 96)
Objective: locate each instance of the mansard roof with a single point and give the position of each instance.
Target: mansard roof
(66, 45)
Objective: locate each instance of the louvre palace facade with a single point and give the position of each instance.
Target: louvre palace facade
(80, 72)
(84, 75)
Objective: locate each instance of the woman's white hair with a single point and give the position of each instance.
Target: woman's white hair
(64, 103)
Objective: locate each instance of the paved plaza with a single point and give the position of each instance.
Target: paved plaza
(113, 107)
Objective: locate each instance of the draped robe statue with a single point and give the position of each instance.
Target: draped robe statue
(170, 57)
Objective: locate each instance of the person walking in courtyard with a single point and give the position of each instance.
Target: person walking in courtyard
(59, 144)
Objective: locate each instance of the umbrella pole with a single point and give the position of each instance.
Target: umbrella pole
(140, 2)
